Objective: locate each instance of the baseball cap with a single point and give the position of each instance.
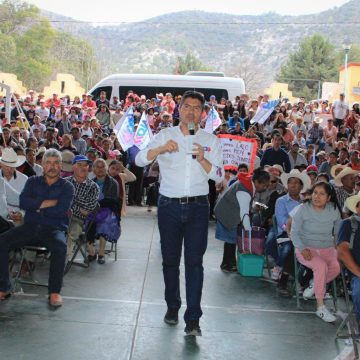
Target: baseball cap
(78, 158)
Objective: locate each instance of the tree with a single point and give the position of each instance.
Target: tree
(315, 59)
(75, 57)
(15, 14)
(33, 55)
(252, 74)
(189, 63)
(34, 51)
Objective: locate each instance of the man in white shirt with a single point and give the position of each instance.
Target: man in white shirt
(188, 157)
(9, 162)
(340, 110)
(42, 111)
(14, 180)
(39, 126)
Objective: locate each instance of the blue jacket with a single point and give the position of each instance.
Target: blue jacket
(36, 190)
(232, 122)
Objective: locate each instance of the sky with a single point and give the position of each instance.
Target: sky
(114, 11)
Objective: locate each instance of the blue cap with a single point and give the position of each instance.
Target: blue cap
(78, 158)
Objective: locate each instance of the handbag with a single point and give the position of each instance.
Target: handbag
(251, 241)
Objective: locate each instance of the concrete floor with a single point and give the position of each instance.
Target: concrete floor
(115, 311)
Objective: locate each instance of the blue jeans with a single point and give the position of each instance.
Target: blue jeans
(188, 223)
(278, 252)
(355, 289)
(271, 245)
(34, 234)
(320, 143)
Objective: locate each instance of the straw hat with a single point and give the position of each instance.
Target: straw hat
(344, 172)
(67, 158)
(302, 176)
(11, 159)
(351, 202)
(274, 170)
(40, 151)
(334, 169)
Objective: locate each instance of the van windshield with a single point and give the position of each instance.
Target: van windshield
(151, 91)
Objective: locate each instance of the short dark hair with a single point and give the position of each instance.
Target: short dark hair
(325, 175)
(194, 95)
(275, 133)
(243, 166)
(28, 150)
(260, 175)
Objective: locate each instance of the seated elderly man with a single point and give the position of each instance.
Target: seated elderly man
(9, 206)
(46, 200)
(344, 185)
(85, 198)
(9, 162)
(348, 248)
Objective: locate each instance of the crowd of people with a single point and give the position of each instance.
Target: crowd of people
(305, 181)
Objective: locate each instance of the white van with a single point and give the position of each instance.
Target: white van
(152, 84)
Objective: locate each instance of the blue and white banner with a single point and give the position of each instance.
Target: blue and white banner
(263, 112)
(143, 133)
(213, 121)
(124, 129)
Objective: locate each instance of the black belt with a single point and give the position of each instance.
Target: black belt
(187, 199)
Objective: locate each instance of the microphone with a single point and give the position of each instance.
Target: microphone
(191, 128)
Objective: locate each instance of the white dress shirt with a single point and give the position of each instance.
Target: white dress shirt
(17, 182)
(340, 109)
(9, 198)
(181, 175)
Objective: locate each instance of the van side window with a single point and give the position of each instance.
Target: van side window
(151, 91)
(96, 92)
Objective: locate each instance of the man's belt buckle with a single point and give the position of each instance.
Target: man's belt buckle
(184, 200)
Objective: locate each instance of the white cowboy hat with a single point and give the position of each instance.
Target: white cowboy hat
(351, 203)
(336, 167)
(317, 120)
(11, 159)
(303, 177)
(344, 172)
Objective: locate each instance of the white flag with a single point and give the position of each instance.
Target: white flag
(263, 112)
(143, 133)
(124, 129)
(213, 121)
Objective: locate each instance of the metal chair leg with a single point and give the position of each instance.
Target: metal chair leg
(297, 287)
(333, 285)
(348, 321)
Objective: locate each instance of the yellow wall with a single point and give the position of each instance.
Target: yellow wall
(276, 88)
(71, 88)
(353, 81)
(331, 91)
(15, 84)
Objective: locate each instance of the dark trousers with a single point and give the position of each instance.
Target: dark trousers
(188, 223)
(30, 234)
(136, 187)
(339, 122)
(212, 196)
(355, 288)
